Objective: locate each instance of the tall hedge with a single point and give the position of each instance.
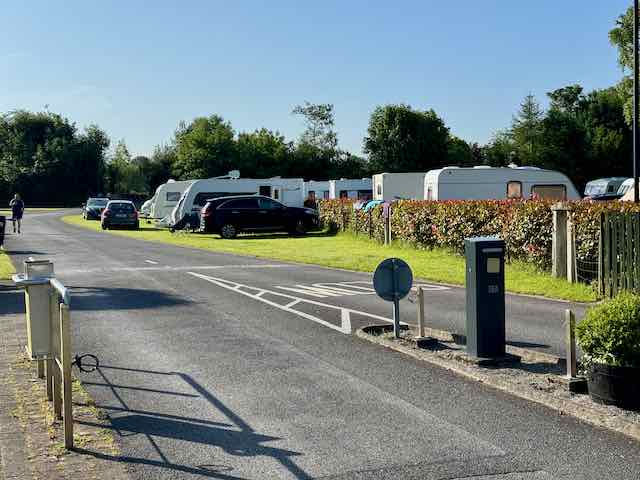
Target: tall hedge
(525, 225)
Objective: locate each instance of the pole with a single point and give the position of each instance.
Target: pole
(420, 312)
(570, 343)
(636, 106)
(396, 318)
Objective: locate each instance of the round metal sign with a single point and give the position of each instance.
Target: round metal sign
(392, 279)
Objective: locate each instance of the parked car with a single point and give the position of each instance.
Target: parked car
(229, 216)
(92, 210)
(120, 213)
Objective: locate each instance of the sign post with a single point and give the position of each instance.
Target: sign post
(392, 282)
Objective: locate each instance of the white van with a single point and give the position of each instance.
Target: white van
(354, 188)
(398, 186)
(493, 183)
(167, 197)
(289, 191)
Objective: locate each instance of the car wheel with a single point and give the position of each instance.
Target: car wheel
(228, 231)
(105, 227)
(299, 228)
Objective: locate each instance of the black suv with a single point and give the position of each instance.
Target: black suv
(254, 213)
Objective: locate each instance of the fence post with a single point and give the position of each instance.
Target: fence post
(389, 222)
(571, 252)
(570, 342)
(65, 358)
(559, 241)
(601, 256)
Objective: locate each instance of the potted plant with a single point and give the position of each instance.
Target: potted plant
(610, 340)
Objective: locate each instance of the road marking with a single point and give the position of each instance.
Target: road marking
(172, 269)
(341, 289)
(151, 262)
(257, 293)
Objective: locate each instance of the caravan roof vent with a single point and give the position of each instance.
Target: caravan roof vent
(482, 166)
(235, 174)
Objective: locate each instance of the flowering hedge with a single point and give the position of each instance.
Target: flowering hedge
(526, 226)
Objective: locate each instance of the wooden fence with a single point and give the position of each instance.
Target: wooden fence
(619, 253)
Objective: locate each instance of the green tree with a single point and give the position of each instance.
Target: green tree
(621, 37)
(526, 131)
(566, 99)
(43, 157)
(500, 151)
(204, 148)
(320, 132)
(459, 152)
(125, 176)
(263, 153)
(401, 139)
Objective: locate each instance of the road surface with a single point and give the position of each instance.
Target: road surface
(228, 367)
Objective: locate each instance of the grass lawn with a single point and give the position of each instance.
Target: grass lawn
(6, 267)
(355, 253)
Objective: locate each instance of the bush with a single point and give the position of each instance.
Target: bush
(525, 225)
(610, 332)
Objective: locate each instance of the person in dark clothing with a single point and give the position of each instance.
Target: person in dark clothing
(17, 209)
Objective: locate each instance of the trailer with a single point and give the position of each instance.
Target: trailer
(604, 188)
(354, 188)
(398, 186)
(492, 183)
(166, 198)
(289, 191)
(316, 190)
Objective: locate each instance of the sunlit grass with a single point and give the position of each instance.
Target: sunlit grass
(355, 253)
(6, 267)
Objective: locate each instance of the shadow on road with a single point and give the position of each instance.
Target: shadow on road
(235, 438)
(99, 298)
(11, 301)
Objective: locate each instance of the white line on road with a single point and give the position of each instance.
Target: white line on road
(345, 313)
(172, 269)
(151, 262)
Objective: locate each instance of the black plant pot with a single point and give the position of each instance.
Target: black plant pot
(619, 386)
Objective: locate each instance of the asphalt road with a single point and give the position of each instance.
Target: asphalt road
(219, 366)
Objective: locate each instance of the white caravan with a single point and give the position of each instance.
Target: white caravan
(355, 188)
(166, 198)
(319, 190)
(289, 191)
(145, 209)
(398, 186)
(493, 183)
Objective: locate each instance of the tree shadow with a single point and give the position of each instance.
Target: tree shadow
(235, 437)
(11, 301)
(86, 298)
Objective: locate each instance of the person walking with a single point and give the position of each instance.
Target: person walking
(17, 209)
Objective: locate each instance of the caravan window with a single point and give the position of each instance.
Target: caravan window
(265, 190)
(363, 195)
(173, 196)
(551, 192)
(325, 194)
(514, 189)
(344, 194)
(379, 189)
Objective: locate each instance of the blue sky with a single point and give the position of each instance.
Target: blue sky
(137, 68)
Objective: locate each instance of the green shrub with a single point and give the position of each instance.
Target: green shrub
(525, 225)
(610, 332)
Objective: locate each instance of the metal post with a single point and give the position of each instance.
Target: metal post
(570, 342)
(636, 106)
(65, 360)
(396, 318)
(420, 312)
(396, 301)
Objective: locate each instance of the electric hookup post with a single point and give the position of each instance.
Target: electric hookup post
(392, 282)
(485, 297)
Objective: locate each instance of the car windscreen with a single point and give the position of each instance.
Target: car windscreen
(97, 202)
(121, 207)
